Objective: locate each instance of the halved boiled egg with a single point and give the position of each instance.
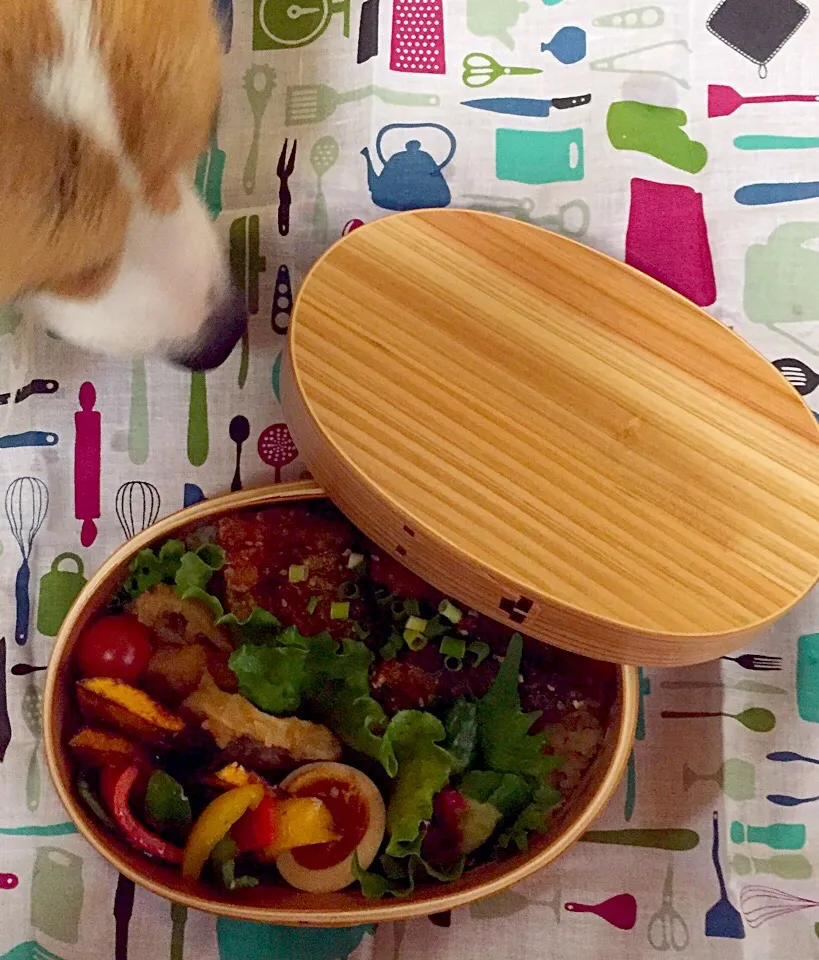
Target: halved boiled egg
(359, 819)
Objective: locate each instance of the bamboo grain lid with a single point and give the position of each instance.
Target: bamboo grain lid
(554, 438)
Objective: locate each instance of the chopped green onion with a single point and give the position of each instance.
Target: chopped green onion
(415, 640)
(436, 627)
(398, 609)
(349, 591)
(340, 610)
(418, 624)
(412, 607)
(450, 611)
(298, 572)
(382, 598)
(454, 664)
(453, 647)
(312, 603)
(480, 650)
(388, 651)
(359, 631)
(355, 560)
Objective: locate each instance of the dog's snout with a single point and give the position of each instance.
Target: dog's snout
(220, 333)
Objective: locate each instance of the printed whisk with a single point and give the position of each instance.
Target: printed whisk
(26, 508)
(137, 506)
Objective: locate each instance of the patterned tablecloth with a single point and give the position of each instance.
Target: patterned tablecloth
(664, 166)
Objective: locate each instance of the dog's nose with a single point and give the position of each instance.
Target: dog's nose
(219, 335)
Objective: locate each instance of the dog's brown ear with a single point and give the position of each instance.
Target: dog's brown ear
(163, 59)
(64, 208)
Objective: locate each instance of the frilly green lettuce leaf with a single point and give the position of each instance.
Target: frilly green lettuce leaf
(423, 769)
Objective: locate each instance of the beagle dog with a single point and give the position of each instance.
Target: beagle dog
(105, 106)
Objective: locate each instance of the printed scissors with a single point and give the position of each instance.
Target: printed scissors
(480, 70)
(666, 929)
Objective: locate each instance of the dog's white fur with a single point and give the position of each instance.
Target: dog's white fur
(170, 278)
(172, 272)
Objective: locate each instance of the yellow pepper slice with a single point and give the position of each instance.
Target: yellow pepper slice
(213, 824)
(303, 821)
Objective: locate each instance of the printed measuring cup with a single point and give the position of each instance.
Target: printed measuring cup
(58, 590)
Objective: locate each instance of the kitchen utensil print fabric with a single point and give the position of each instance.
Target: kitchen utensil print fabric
(642, 130)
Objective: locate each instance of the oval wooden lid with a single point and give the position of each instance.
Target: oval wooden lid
(553, 437)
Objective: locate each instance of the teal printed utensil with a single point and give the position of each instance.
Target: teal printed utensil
(539, 156)
(481, 70)
(57, 894)
(138, 420)
(807, 677)
(631, 787)
(668, 838)
(314, 103)
(275, 377)
(735, 777)
(667, 930)
(198, 432)
(757, 719)
(32, 710)
(769, 142)
(30, 950)
(58, 590)
(241, 939)
(788, 866)
(40, 830)
(210, 172)
(777, 836)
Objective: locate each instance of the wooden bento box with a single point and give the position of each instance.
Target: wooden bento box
(282, 904)
(547, 435)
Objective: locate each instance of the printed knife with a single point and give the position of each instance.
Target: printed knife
(526, 106)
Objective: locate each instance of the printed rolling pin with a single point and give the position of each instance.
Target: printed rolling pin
(87, 444)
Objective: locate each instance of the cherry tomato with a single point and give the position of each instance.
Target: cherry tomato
(118, 647)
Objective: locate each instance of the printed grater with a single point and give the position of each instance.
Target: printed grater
(418, 37)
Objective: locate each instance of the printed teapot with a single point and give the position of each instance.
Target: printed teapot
(410, 179)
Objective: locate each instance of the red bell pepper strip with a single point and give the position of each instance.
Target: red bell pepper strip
(257, 828)
(116, 784)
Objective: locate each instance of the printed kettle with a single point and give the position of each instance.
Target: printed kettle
(410, 179)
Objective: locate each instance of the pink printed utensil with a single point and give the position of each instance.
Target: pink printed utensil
(276, 448)
(724, 100)
(418, 37)
(620, 911)
(87, 444)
